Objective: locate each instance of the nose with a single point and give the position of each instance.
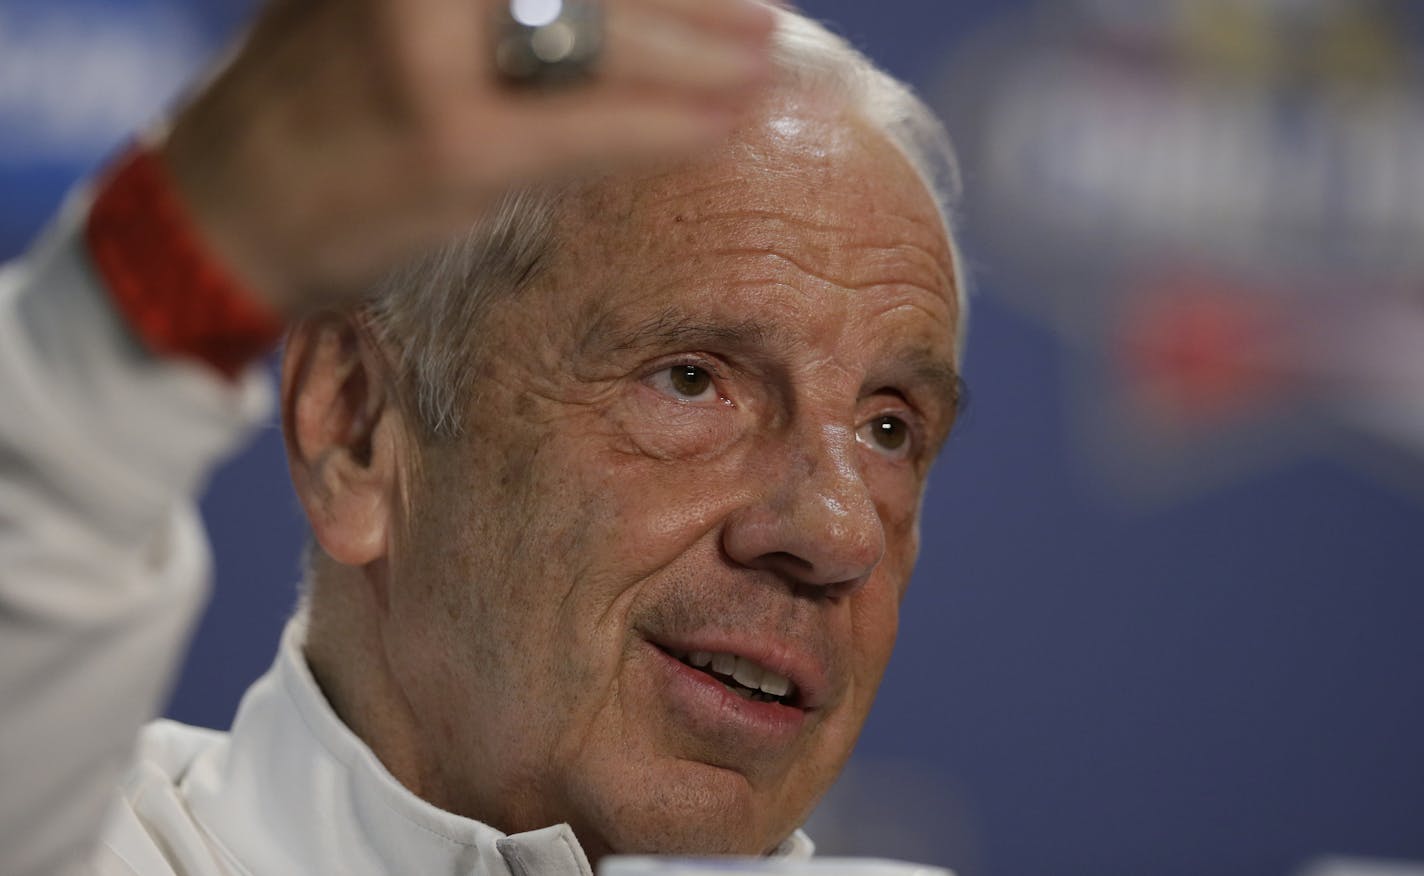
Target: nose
(814, 520)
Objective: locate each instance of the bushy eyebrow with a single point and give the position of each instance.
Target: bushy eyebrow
(670, 329)
(940, 380)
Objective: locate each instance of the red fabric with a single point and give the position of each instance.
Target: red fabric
(173, 293)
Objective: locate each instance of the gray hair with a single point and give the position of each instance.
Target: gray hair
(427, 311)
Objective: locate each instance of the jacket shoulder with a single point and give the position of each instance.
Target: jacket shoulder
(171, 747)
(150, 831)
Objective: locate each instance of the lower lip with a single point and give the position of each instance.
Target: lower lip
(709, 705)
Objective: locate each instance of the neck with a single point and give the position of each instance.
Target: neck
(347, 657)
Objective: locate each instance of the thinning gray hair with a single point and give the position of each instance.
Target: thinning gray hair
(428, 310)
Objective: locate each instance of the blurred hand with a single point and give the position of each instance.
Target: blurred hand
(345, 135)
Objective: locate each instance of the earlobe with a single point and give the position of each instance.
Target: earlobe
(344, 436)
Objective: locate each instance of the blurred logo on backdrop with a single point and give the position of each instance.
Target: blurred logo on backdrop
(1219, 205)
(77, 77)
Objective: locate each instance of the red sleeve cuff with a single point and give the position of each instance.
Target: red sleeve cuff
(175, 295)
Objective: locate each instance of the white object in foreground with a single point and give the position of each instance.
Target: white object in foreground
(630, 865)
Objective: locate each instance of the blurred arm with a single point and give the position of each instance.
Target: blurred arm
(103, 562)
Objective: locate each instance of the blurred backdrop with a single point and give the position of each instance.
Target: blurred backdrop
(1169, 617)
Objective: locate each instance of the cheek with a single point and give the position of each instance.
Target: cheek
(650, 424)
(516, 598)
(668, 472)
(644, 514)
(875, 610)
(493, 530)
(897, 488)
(875, 620)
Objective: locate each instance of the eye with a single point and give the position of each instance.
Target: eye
(686, 382)
(887, 434)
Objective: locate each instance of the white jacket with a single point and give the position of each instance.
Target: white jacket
(292, 790)
(103, 565)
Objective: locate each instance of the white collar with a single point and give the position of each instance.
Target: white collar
(295, 791)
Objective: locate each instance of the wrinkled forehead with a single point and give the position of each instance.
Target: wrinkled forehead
(804, 178)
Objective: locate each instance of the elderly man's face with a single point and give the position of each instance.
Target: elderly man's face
(702, 436)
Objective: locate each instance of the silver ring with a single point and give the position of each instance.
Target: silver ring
(548, 43)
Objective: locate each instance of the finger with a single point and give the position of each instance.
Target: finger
(744, 18)
(437, 49)
(658, 52)
(569, 135)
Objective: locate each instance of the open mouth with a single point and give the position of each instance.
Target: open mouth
(745, 678)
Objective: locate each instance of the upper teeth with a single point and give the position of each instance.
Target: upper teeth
(746, 672)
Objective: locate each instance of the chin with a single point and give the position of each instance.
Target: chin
(694, 809)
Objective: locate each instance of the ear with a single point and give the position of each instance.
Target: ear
(345, 436)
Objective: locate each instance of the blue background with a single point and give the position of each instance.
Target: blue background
(1227, 684)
